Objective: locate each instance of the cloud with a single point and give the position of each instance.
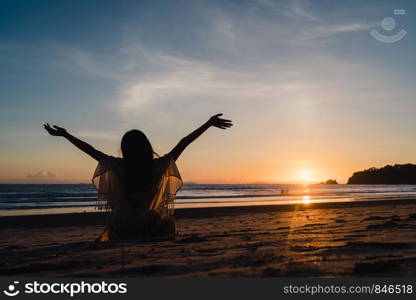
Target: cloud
(299, 9)
(166, 85)
(251, 62)
(98, 134)
(295, 88)
(39, 177)
(334, 29)
(42, 176)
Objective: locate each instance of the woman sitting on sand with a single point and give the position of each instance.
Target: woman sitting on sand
(138, 190)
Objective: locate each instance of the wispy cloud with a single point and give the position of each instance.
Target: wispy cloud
(299, 9)
(260, 65)
(154, 82)
(41, 176)
(325, 31)
(98, 135)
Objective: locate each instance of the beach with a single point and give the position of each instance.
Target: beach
(350, 239)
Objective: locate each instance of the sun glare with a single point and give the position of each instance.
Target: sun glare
(305, 175)
(306, 199)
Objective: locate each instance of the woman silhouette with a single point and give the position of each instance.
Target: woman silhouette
(138, 190)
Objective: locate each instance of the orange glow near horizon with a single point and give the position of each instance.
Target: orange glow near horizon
(68, 165)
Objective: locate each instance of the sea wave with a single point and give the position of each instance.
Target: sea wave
(24, 197)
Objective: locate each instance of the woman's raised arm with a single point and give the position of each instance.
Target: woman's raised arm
(215, 121)
(87, 148)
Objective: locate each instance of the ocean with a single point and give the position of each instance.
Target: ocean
(21, 199)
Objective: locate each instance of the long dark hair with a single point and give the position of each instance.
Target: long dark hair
(138, 156)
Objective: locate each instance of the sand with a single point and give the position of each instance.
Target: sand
(367, 239)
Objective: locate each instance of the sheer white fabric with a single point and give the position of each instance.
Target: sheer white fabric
(160, 197)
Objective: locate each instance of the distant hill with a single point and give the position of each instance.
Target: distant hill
(329, 181)
(397, 174)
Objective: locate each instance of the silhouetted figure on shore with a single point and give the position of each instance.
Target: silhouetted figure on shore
(139, 189)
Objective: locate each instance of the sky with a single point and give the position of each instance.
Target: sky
(312, 94)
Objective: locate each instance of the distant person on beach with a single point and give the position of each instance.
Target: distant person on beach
(139, 189)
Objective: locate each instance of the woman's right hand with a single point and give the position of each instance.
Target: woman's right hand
(56, 130)
(216, 121)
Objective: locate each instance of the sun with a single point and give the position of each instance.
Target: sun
(305, 175)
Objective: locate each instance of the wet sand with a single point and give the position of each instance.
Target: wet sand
(367, 239)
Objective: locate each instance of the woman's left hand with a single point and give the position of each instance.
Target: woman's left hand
(216, 121)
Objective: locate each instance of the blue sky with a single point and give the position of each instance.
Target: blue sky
(307, 85)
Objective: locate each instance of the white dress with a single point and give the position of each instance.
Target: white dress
(126, 210)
